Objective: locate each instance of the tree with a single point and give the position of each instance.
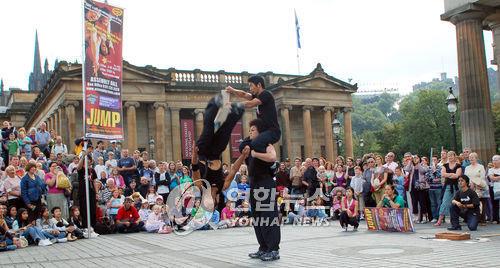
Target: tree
(390, 138)
(371, 114)
(425, 122)
(496, 122)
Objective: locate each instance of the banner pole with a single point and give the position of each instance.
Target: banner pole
(87, 185)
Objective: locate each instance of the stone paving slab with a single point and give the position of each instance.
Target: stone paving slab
(302, 246)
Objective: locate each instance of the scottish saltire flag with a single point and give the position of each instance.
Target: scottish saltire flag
(297, 29)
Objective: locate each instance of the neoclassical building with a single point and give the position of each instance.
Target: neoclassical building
(157, 101)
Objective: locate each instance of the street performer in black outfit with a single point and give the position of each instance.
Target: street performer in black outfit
(206, 158)
(263, 99)
(263, 201)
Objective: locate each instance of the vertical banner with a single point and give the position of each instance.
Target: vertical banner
(236, 136)
(187, 137)
(389, 219)
(102, 71)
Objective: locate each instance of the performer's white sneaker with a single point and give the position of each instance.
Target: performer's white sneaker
(224, 110)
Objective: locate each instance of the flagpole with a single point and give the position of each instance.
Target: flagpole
(298, 62)
(297, 34)
(87, 185)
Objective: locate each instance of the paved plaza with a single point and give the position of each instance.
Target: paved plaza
(302, 246)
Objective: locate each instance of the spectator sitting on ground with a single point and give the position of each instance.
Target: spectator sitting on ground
(317, 210)
(465, 204)
(145, 210)
(349, 214)
(336, 196)
(119, 181)
(26, 228)
(72, 233)
(228, 216)
(48, 227)
(143, 188)
(152, 195)
(114, 204)
(299, 215)
(137, 199)
(391, 199)
(155, 220)
(128, 219)
(131, 189)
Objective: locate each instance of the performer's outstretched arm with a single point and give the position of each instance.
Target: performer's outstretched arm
(239, 93)
(268, 156)
(196, 176)
(236, 166)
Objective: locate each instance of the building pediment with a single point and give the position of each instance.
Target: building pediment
(144, 74)
(316, 80)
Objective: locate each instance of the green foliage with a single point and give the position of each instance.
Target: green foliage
(390, 138)
(425, 122)
(496, 122)
(421, 122)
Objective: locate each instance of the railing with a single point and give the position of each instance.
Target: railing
(209, 79)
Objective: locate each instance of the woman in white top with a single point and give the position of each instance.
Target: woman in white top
(12, 188)
(494, 179)
(100, 167)
(477, 175)
(111, 163)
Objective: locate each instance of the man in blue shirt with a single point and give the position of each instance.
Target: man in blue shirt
(127, 167)
(42, 138)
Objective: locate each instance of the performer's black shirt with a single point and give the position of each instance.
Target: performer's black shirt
(468, 197)
(259, 169)
(267, 111)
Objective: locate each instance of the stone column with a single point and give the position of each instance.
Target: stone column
(131, 124)
(286, 138)
(493, 22)
(348, 132)
(247, 117)
(56, 122)
(49, 123)
(176, 134)
(70, 115)
(474, 95)
(306, 114)
(327, 124)
(335, 147)
(62, 122)
(168, 135)
(160, 149)
(199, 121)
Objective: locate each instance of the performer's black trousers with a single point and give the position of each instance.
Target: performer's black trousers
(265, 213)
(259, 144)
(210, 144)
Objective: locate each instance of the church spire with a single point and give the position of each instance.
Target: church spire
(37, 78)
(46, 66)
(37, 64)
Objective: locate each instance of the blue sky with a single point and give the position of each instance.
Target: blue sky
(387, 43)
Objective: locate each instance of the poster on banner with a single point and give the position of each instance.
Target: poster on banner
(187, 137)
(389, 219)
(236, 136)
(102, 71)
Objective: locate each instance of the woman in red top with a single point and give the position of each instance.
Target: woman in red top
(349, 214)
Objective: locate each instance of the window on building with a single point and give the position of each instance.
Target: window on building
(323, 151)
(302, 152)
